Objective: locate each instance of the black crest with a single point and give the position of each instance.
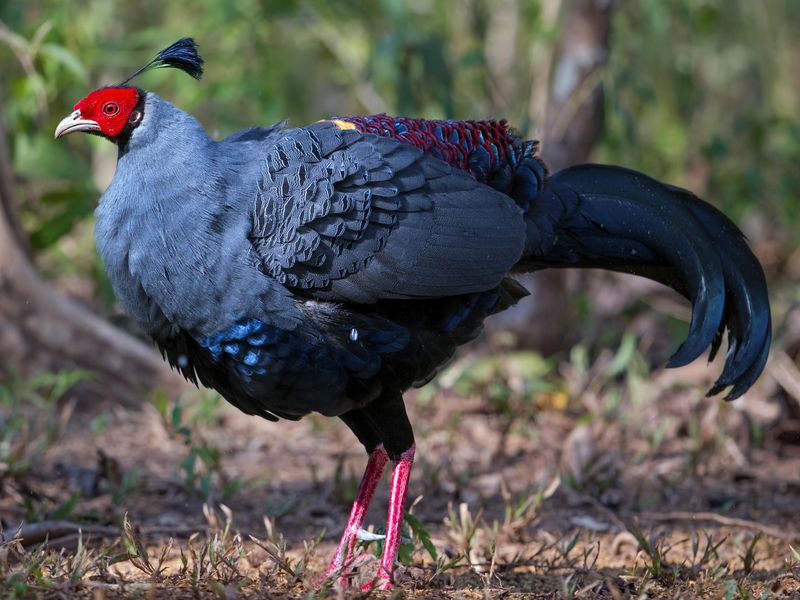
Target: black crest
(180, 55)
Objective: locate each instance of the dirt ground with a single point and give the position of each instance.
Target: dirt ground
(598, 481)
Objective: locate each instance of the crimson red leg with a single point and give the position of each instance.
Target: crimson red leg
(366, 490)
(394, 520)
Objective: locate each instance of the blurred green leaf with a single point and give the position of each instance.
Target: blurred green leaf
(64, 57)
(419, 531)
(69, 207)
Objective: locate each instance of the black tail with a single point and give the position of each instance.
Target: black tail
(606, 217)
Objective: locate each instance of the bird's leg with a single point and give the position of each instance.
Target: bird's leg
(394, 519)
(366, 490)
(384, 424)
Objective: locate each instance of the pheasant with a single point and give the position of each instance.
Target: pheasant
(331, 267)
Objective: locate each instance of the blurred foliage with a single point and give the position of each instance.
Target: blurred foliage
(706, 93)
(25, 432)
(703, 93)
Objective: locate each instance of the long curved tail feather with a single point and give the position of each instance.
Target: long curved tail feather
(597, 216)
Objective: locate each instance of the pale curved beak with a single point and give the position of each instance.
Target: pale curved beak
(74, 123)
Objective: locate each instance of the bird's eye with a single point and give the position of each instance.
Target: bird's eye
(110, 108)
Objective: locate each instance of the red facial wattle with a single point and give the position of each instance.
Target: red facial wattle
(106, 111)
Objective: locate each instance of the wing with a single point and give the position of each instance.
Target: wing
(348, 216)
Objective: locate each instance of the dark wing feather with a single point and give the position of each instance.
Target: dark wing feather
(355, 217)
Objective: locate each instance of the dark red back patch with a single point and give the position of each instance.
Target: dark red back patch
(488, 150)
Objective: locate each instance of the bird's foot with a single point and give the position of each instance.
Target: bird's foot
(382, 581)
(336, 577)
(335, 570)
(342, 578)
(340, 564)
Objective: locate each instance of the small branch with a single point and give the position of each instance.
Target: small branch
(576, 100)
(500, 52)
(543, 68)
(36, 533)
(8, 208)
(59, 533)
(26, 52)
(679, 515)
(335, 42)
(786, 373)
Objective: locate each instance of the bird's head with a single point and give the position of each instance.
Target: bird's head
(113, 112)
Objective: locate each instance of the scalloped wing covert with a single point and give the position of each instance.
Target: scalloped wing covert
(355, 217)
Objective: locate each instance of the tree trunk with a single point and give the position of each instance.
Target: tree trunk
(574, 118)
(570, 107)
(41, 331)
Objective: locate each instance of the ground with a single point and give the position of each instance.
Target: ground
(570, 478)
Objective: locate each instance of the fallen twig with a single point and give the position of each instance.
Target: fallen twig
(35, 533)
(786, 373)
(679, 515)
(55, 531)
